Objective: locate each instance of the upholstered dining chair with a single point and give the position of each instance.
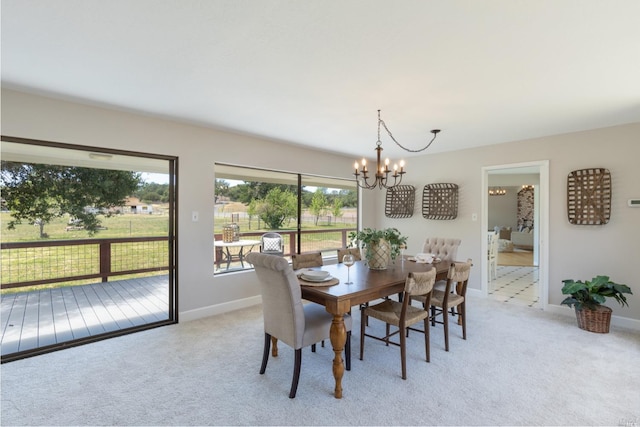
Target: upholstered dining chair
(353, 251)
(285, 316)
(402, 315)
(444, 248)
(442, 301)
(308, 260)
(272, 243)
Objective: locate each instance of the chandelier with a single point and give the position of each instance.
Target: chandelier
(497, 191)
(381, 178)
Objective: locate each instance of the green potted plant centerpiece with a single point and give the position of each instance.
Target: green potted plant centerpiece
(587, 297)
(379, 245)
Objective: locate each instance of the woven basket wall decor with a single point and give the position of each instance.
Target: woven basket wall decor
(589, 196)
(440, 201)
(400, 201)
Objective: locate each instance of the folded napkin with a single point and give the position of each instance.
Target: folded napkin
(423, 258)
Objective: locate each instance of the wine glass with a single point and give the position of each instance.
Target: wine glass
(348, 260)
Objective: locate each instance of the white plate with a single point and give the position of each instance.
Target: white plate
(315, 274)
(315, 279)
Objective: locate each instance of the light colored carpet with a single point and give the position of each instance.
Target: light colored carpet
(519, 366)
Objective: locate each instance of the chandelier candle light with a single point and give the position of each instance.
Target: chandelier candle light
(382, 171)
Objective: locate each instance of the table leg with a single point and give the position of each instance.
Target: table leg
(241, 256)
(228, 257)
(338, 336)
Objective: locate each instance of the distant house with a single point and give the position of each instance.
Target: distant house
(135, 206)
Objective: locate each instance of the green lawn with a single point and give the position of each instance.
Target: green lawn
(43, 263)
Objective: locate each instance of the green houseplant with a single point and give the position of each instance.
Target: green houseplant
(587, 298)
(379, 245)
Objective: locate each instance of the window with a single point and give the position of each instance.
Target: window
(311, 213)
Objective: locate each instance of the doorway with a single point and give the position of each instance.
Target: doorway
(516, 178)
(101, 261)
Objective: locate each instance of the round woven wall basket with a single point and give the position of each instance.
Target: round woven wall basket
(597, 320)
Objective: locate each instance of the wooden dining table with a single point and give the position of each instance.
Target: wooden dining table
(368, 285)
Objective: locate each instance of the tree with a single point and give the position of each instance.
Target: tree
(336, 209)
(38, 193)
(276, 207)
(318, 205)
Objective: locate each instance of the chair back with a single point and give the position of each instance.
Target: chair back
(353, 251)
(444, 248)
(312, 259)
(420, 283)
(493, 244)
(459, 274)
(281, 298)
(272, 243)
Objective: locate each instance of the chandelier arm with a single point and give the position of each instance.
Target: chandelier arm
(380, 121)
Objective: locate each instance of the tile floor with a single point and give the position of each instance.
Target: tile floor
(518, 285)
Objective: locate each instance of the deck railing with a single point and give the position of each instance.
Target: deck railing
(310, 240)
(55, 261)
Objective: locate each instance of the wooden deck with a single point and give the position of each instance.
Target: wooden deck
(36, 319)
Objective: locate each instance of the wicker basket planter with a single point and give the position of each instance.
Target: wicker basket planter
(379, 255)
(596, 320)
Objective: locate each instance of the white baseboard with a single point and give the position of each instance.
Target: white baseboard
(212, 310)
(621, 322)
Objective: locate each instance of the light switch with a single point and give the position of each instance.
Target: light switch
(194, 216)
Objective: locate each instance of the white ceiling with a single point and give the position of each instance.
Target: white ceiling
(315, 72)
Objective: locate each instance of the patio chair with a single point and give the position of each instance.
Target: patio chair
(272, 243)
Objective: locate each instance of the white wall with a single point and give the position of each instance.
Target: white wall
(503, 210)
(200, 293)
(575, 251)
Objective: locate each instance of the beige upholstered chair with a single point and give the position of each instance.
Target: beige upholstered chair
(286, 317)
(312, 259)
(272, 243)
(444, 248)
(402, 315)
(441, 301)
(353, 251)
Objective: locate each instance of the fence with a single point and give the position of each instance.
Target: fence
(56, 261)
(40, 263)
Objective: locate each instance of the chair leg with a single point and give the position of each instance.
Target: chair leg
(403, 353)
(265, 352)
(296, 373)
(274, 350)
(347, 351)
(433, 316)
(427, 344)
(313, 348)
(445, 318)
(363, 321)
(386, 338)
(463, 315)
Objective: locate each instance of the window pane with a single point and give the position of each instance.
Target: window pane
(251, 202)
